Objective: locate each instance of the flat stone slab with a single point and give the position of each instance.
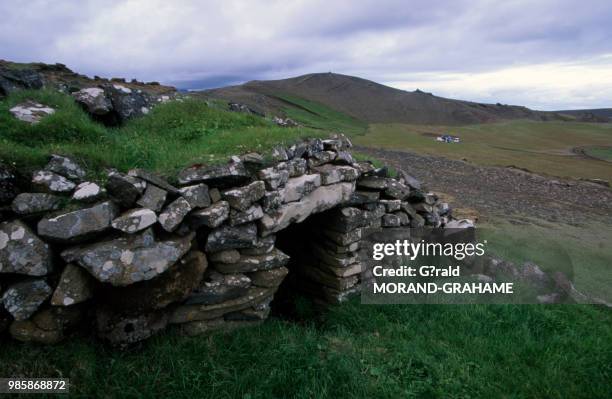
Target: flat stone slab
(78, 225)
(23, 299)
(135, 220)
(321, 199)
(22, 252)
(31, 203)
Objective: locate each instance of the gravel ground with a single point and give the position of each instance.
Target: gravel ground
(485, 191)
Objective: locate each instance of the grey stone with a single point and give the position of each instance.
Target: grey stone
(391, 205)
(153, 198)
(297, 167)
(372, 183)
(344, 158)
(31, 112)
(32, 203)
(320, 158)
(346, 219)
(252, 263)
(269, 278)
(364, 167)
(263, 245)
(275, 176)
(241, 198)
(279, 154)
(78, 225)
(88, 192)
(94, 100)
(232, 174)
(331, 174)
(361, 197)
(321, 199)
(47, 326)
(229, 256)
(228, 237)
(218, 288)
(51, 182)
(124, 189)
(212, 217)
(66, 167)
(403, 216)
(251, 214)
(215, 194)
(135, 220)
(75, 286)
(298, 187)
(174, 214)
(153, 179)
(23, 299)
(408, 180)
(271, 200)
(22, 252)
(197, 195)
(391, 220)
(252, 158)
(127, 260)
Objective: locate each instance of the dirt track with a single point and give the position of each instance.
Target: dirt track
(493, 191)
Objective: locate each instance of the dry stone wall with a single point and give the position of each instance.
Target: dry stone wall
(132, 256)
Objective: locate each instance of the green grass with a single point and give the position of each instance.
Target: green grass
(604, 153)
(172, 136)
(318, 116)
(542, 147)
(362, 351)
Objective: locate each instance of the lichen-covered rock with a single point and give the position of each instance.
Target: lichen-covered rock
(215, 194)
(408, 180)
(252, 263)
(51, 182)
(197, 195)
(218, 287)
(320, 158)
(347, 219)
(22, 252)
(23, 299)
(344, 158)
(174, 214)
(78, 225)
(135, 220)
(242, 198)
(241, 217)
(271, 200)
(391, 220)
(263, 245)
(372, 183)
(331, 174)
(396, 190)
(32, 203)
(31, 112)
(361, 197)
(88, 192)
(122, 330)
(195, 312)
(75, 286)
(269, 278)
(48, 326)
(229, 237)
(391, 205)
(153, 198)
(232, 174)
(298, 187)
(212, 216)
(274, 176)
(343, 238)
(321, 199)
(403, 217)
(173, 286)
(153, 179)
(66, 167)
(128, 260)
(297, 167)
(124, 189)
(94, 100)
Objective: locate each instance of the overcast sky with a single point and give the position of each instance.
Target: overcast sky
(543, 54)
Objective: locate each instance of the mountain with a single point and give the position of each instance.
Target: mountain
(373, 102)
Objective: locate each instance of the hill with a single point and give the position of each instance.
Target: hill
(372, 102)
(598, 114)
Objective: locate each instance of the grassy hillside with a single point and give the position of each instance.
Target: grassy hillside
(172, 136)
(542, 147)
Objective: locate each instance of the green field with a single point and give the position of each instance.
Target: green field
(604, 153)
(359, 351)
(542, 147)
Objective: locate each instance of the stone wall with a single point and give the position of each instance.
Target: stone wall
(137, 254)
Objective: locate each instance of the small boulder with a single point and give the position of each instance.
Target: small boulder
(128, 260)
(51, 182)
(298, 187)
(31, 112)
(75, 286)
(229, 237)
(391, 220)
(135, 220)
(217, 288)
(78, 225)
(212, 216)
(124, 189)
(232, 174)
(48, 326)
(197, 196)
(23, 299)
(241, 217)
(33, 203)
(241, 198)
(252, 263)
(269, 278)
(66, 167)
(274, 176)
(94, 100)
(174, 214)
(153, 198)
(331, 174)
(88, 192)
(22, 252)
